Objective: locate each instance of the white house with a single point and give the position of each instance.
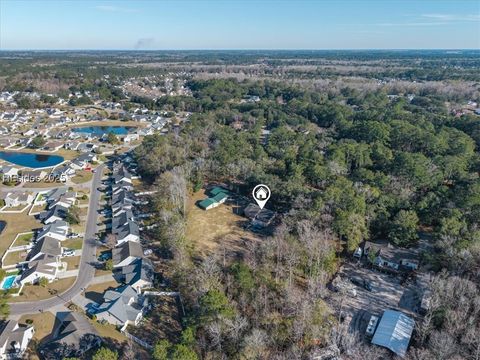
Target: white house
(46, 266)
(57, 230)
(14, 339)
(18, 199)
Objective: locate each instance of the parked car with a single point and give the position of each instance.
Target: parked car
(68, 252)
(148, 252)
(107, 255)
(372, 325)
(73, 235)
(362, 283)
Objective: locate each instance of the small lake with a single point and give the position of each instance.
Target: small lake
(31, 160)
(100, 130)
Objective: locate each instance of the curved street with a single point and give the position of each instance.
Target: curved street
(86, 269)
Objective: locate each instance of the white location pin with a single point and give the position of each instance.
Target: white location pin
(261, 193)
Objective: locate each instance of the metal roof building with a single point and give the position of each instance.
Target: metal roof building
(394, 332)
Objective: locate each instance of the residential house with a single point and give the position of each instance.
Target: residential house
(126, 253)
(14, 339)
(66, 200)
(45, 266)
(53, 146)
(57, 229)
(71, 331)
(139, 274)
(386, 256)
(45, 246)
(63, 172)
(56, 213)
(259, 217)
(217, 197)
(9, 172)
(14, 199)
(121, 307)
(127, 232)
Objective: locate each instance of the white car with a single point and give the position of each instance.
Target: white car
(372, 325)
(68, 252)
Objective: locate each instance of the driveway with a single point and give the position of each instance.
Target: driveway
(87, 261)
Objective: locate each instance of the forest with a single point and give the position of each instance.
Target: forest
(345, 166)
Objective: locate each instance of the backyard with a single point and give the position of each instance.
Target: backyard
(82, 176)
(15, 224)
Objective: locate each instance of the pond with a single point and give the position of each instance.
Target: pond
(31, 160)
(100, 130)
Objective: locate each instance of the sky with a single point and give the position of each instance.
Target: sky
(239, 24)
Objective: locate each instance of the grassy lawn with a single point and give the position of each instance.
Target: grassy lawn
(16, 223)
(108, 331)
(100, 272)
(82, 176)
(16, 208)
(75, 244)
(38, 208)
(219, 226)
(95, 292)
(42, 322)
(73, 262)
(15, 257)
(37, 292)
(24, 239)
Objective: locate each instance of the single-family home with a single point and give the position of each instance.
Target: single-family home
(66, 200)
(45, 246)
(45, 266)
(259, 217)
(56, 213)
(121, 307)
(72, 336)
(8, 172)
(13, 199)
(14, 339)
(57, 230)
(53, 146)
(126, 253)
(386, 256)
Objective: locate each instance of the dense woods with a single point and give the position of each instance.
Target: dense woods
(344, 167)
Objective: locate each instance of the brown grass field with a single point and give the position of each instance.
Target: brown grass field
(37, 292)
(16, 223)
(216, 228)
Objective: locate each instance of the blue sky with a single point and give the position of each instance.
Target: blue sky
(247, 24)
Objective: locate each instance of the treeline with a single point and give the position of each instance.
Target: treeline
(343, 169)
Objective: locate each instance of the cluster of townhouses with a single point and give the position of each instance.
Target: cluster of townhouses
(125, 305)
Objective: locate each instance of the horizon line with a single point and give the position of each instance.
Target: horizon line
(246, 49)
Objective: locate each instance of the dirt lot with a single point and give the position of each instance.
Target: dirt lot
(221, 226)
(387, 293)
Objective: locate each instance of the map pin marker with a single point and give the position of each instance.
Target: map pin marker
(261, 193)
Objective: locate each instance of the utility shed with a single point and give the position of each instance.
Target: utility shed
(394, 332)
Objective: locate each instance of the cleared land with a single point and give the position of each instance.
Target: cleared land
(221, 226)
(37, 292)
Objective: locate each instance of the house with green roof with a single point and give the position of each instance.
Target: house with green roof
(218, 196)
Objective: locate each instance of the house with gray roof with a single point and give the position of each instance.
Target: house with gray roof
(57, 229)
(126, 253)
(139, 274)
(45, 246)
(72, 336)
(58, 212)
(121, 307)
(14, 339)
(127, 232)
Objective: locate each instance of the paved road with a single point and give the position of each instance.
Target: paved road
(86, 269)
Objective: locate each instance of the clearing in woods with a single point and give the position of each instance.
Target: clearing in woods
(218, 228)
